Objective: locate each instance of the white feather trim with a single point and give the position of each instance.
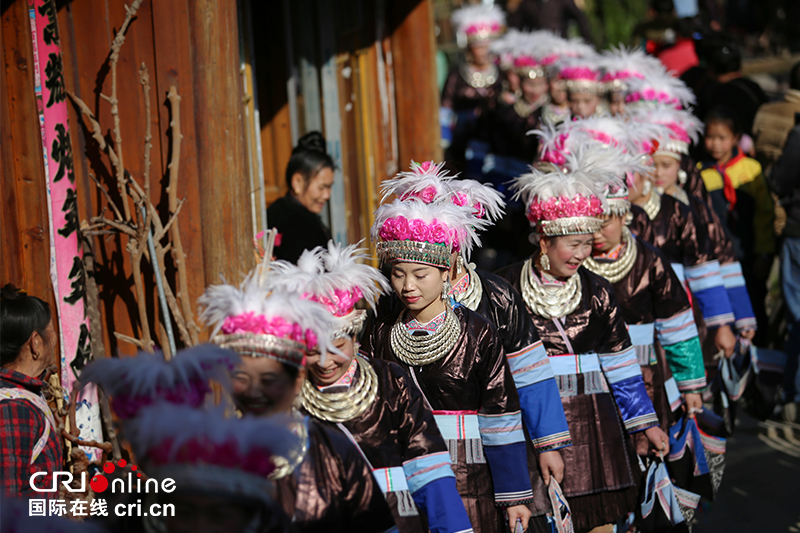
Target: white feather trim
(146, 373)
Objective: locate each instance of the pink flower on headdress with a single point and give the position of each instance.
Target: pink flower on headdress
(595, 206)
(418, 230)
(649, 94)
(428, 194)
(343, 301)
(460, 199)
(426, 166)
(525, 61)
(579, 73)
(395, 229)
(479, 210)
(311, 340)
(438, 232)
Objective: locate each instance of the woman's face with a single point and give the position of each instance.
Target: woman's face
(566, 253)
(720, 141)
(335, 364)
(262, 386)
(558, 91)
(316, 194)
(417, 286)
(583, 104)
(665, 172)
(610, 234)
(533, 88)
(480, 53)
(45, 346)
(636, 186)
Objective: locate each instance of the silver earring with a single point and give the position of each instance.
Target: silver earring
(459, 265)
(544, 262)
(446, 290)
(682, 177)
(646, 188)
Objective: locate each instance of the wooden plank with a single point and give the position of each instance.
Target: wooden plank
(414, 57)
(22, 145)
(224, 202)
(173, 66)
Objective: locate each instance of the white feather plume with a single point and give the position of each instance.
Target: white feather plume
(664, 115)
(321, 272)
(663, 82)
(477, 14)
(543, 185)
(621, 59)
(415, 181)
(146, 373)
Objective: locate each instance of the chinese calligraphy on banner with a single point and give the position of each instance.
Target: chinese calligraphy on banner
(66, 256)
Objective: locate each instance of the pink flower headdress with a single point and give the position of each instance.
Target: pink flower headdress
(562, 203)
(611, 165)
(479, 23)
(504, 48)
(429, 183)
(336, 279)
(621, 65)
(659, 88)
(416, 232)
(208, 452)
(146, 379)
(679, 129)
(256, 321)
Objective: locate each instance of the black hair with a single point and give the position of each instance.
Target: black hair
(794, 77)
(20, 316)
(308, 158)
(725, 58)
(727, 116)
(663, 7)
(291, 370)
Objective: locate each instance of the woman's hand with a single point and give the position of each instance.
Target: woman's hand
(518, 511)
(725, 340)
(551, 464)
(748, 333)
(658, 439)
(694, 402)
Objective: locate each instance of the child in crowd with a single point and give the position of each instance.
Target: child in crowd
(741, 199)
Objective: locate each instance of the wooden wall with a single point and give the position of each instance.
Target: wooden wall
(25, 245)
(191, 44)
(388, 108)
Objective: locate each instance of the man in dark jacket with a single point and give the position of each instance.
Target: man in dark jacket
(785, 181)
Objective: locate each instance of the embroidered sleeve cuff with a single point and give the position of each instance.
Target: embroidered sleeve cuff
(509, 468)
(428, 468)
(502, 429)
(544, 417)
(677, 328)
(685, 359)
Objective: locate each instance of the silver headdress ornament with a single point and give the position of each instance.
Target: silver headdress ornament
(253, 320)
(561, 203)
(336, 279)
(479, 23)
(417, 232)
(203, 450)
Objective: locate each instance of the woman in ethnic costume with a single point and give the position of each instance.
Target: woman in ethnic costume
(374, 402)
(473, 84)
(496, 300)
(160, 403)
(456, 358)
(669, 178)
(654, 303)
(584, 333)
(671, 226)
(327, 486)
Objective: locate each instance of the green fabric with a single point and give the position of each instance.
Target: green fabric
(685, 359)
